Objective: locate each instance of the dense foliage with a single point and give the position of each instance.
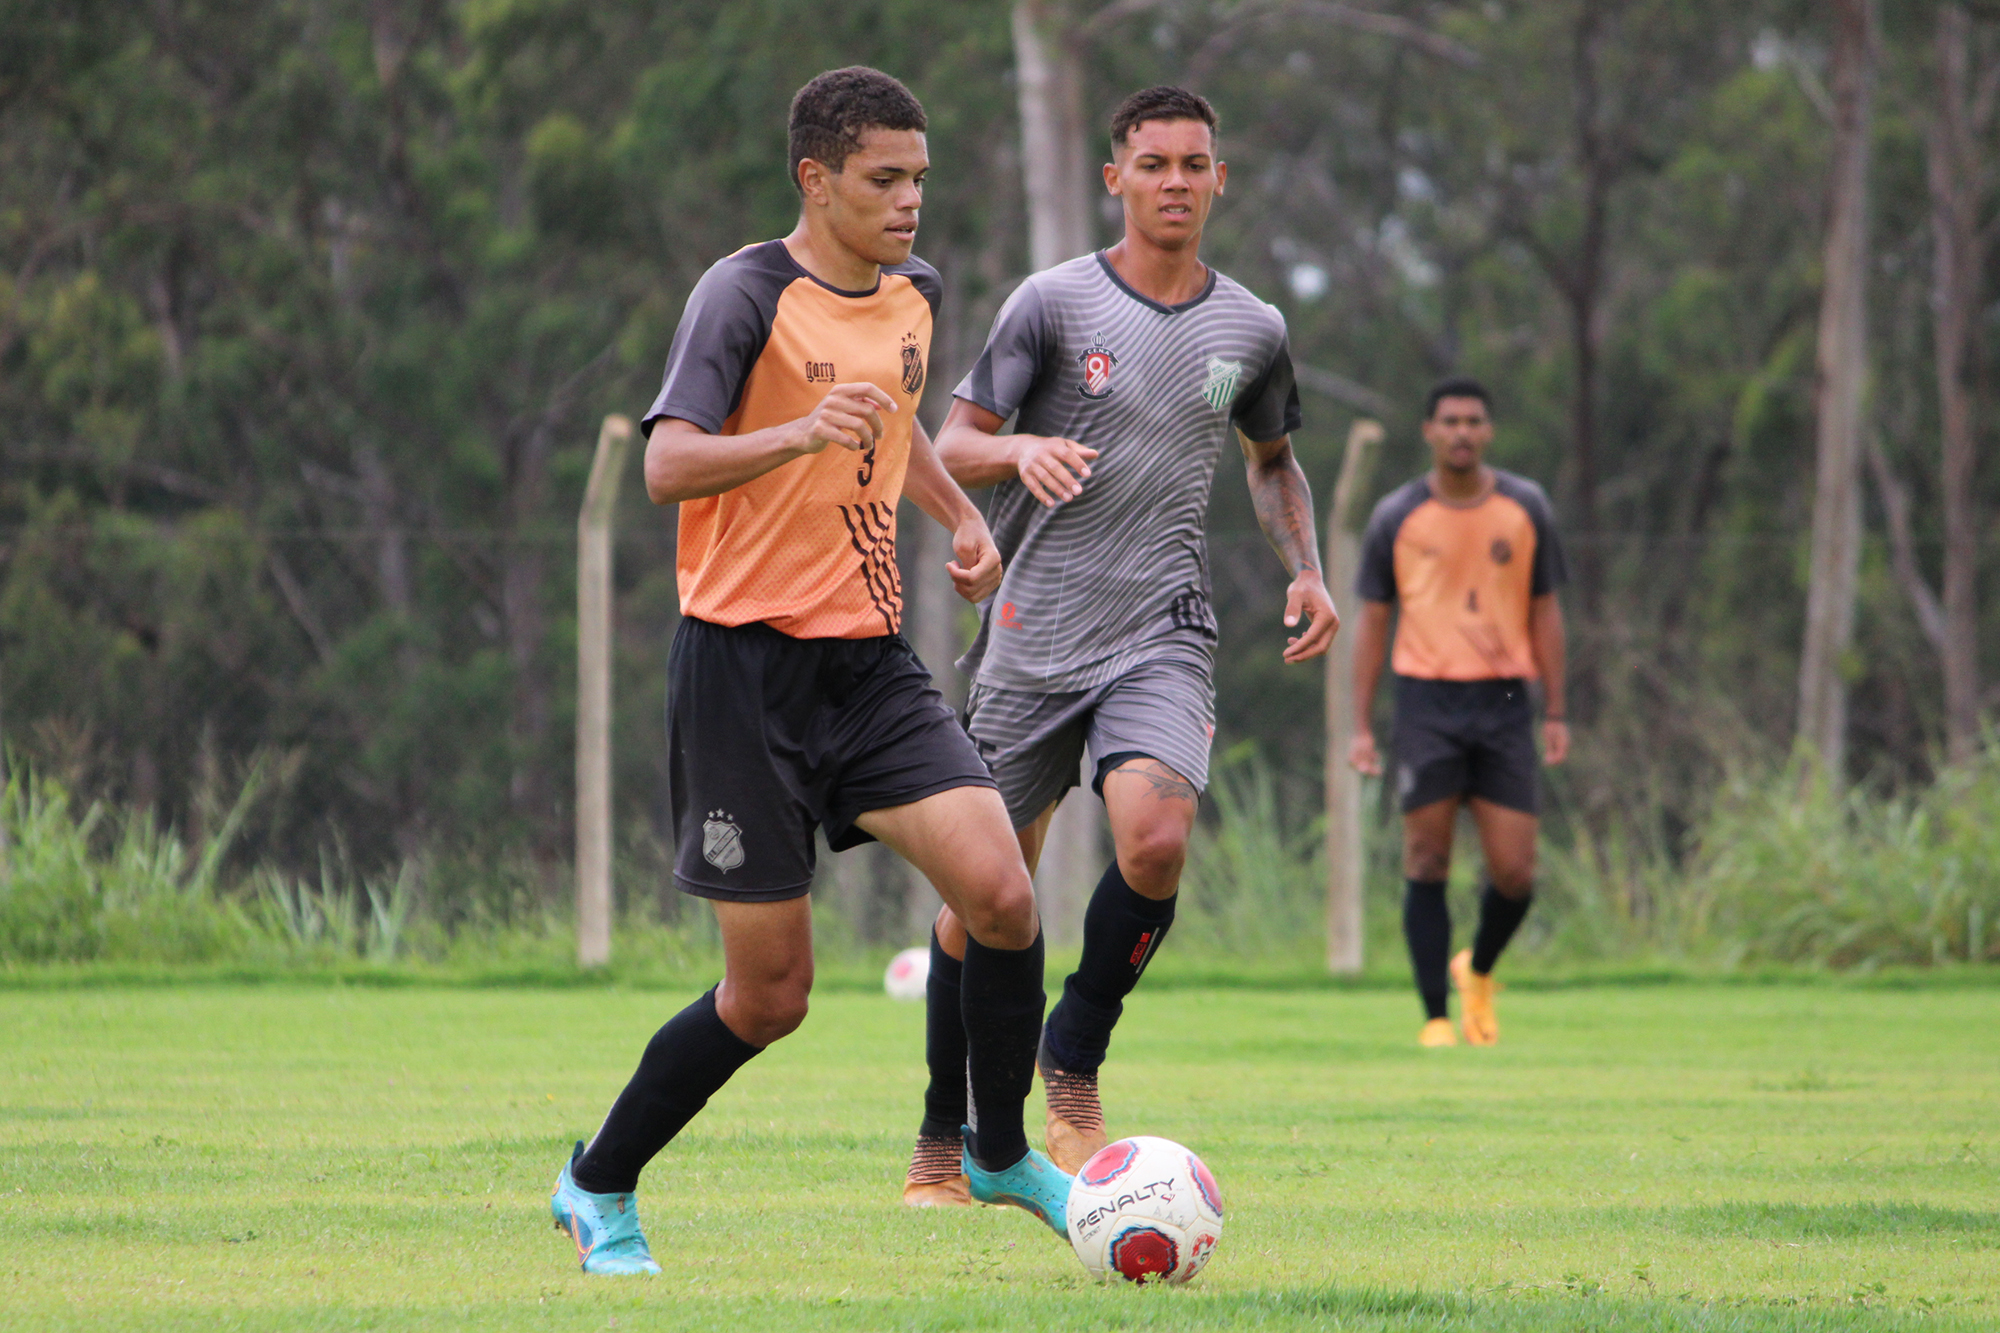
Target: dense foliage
(308, 310)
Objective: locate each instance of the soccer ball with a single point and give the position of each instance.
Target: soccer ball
(1145, 1209)
(909, 972)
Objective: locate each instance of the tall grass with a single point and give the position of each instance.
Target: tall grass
(1785, 868)
(338, 917)
(1255, 884)
(1790, 869)
(98, 884)
(1781, 868)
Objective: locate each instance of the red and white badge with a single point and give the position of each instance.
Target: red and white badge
(1097, 363)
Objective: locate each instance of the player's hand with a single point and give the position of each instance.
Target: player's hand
(1362, 756)
(1555, 740)
(1308, 597)
(850, 416)
(975, 573)
(1053, 470)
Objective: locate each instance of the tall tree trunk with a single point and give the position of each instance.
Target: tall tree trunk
(1055, 168)
(1601, 168)
(1055, 143)
(1842, 396)
(1954, 188)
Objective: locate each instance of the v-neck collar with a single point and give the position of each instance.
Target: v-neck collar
(1148, 301)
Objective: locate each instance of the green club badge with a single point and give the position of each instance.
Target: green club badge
(1220, 389)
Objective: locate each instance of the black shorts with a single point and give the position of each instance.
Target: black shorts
(768, 735)
(1466, 738)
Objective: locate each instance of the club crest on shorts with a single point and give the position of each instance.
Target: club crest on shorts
(913, 365)
(1219, 390)
(721, 841)
(1097, 362)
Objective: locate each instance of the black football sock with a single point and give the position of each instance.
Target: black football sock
(1002, 995)
(1122, 929)
(684, 1064)
(944, 1047)
(1427, 929)
(1499, 917)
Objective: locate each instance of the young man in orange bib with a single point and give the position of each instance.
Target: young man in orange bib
(786, 430)
(1470, 555)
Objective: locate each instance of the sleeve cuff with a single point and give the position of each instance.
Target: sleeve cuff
(693, 415)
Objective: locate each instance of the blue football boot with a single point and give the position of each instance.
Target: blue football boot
(605, 1227)
(1034, 1183)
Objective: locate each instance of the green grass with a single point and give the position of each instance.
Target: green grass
(1679, 1157)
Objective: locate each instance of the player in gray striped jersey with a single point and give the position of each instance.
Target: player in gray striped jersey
(1129, 371)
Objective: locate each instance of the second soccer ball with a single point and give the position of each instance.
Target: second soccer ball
(909, 972)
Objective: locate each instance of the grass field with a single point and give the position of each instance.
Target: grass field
(1674, 1157)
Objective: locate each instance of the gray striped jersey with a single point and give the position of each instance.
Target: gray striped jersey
(1118, 575)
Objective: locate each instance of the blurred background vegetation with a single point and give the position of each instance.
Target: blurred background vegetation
(309, 310)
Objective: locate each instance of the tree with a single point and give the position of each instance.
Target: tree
(1841, 401)
(1055, 141)
(1958, 175)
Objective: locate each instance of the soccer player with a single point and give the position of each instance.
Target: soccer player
(1470, 554)
(1129, 369)
(786, 429)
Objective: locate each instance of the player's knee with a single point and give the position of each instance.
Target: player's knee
(1512, 881)
(765, 1008)
(1151, 862)
(1001, 912)
(950, 932)
(1426, 863)
(788, 1010)
(775, 1012)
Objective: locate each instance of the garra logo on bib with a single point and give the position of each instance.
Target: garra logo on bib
(721, 841)
(1219, 391)
(913, 365)
(1097, 362)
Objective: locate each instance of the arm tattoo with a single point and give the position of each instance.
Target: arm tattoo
(1283, 502)
(1165, 784)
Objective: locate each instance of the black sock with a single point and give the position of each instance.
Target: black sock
(684, 1064)
(944, 1046)
(1122, 929)
(1499, 917)
(1427, 929)
(1002, 996)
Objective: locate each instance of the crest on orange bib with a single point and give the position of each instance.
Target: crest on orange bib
(1097, 363)
(913, 365)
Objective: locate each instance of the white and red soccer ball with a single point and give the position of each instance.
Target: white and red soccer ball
(909, 974)
(1146, 1210)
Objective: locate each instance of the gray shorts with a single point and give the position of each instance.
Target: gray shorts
(1034, 743)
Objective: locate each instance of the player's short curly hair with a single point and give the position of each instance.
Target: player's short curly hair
(830, 113)
(1161, 103)
(1458, 386)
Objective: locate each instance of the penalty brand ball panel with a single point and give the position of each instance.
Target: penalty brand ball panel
(1145, 1209)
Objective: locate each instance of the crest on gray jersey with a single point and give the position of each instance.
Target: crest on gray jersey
(721, 841)
(1097, 362)
(1219, 390)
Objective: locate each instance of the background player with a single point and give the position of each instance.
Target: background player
(786, 430)
(1129, 369)
(1471, 554)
